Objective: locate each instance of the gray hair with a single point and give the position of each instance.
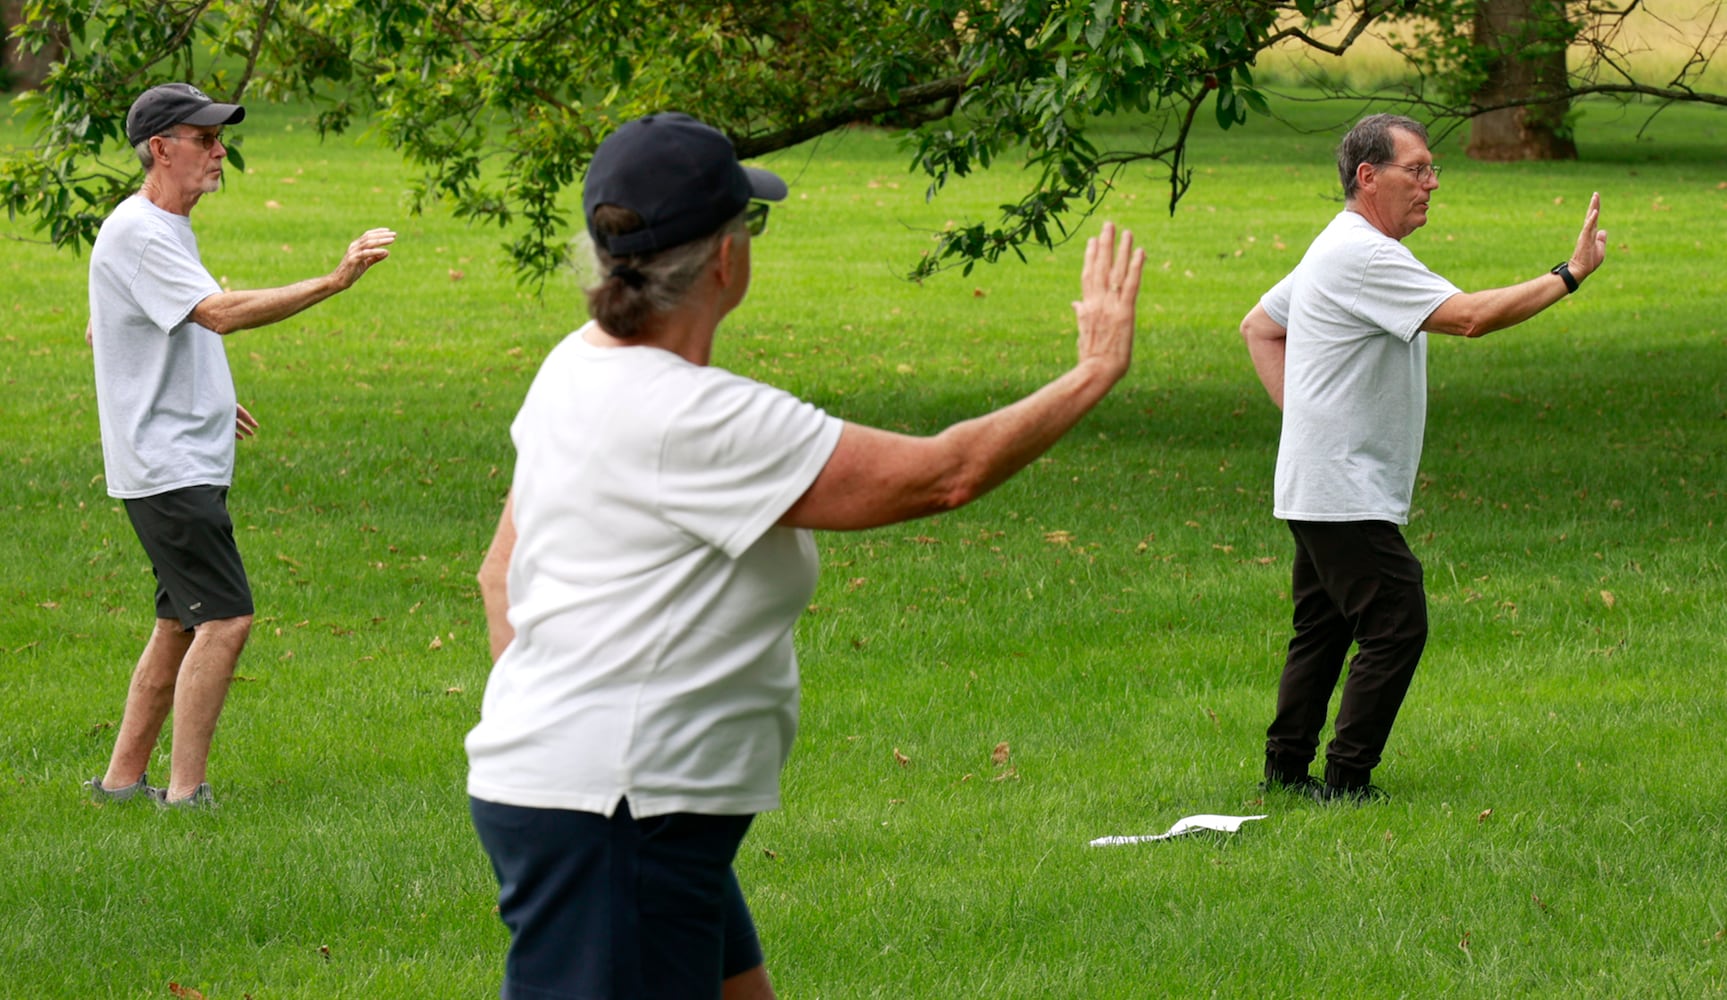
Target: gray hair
(145, 157)
(629, 291)
(1371, 141)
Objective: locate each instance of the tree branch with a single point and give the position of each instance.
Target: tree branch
(922, 95)
(264, 20)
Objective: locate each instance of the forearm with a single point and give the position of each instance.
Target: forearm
(1268, 347)
(494, 579)
(1476, 314)
(876, 477)
(986, 451)
(227, 312)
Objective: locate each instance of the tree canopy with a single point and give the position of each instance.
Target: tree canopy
(497, 104)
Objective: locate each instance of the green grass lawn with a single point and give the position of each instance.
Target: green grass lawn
(1116, 615)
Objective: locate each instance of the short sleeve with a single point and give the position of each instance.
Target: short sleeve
(737, 455)
(1398, 292)
(170, 282)
(1276, 301)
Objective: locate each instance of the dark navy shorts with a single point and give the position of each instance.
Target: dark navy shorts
(618, 908)
(190, 541)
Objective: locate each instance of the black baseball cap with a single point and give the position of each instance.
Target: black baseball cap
(681, 176)
(161, 108)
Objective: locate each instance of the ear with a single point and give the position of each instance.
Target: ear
(1364, 173)
(725, 261)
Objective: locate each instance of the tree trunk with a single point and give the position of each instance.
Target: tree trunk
(21, 70)
(1527, 41)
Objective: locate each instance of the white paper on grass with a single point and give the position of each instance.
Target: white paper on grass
(1187, 824)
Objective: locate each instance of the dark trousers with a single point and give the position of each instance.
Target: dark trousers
(1357, 583)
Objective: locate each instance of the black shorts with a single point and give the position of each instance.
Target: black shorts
(618, 907)
(190, 541)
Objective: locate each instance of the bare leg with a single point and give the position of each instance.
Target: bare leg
(205, 673)
(148, 700)
(751, 984)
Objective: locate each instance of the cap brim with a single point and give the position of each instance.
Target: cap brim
(216, 114)
(765, 185)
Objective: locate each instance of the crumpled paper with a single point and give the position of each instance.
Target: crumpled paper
(1187, 824)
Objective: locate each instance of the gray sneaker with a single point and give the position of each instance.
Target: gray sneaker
(201, 798)
(101, 793)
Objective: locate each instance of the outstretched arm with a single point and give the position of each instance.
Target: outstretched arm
(1476, 314)
(877, 477)
(226, 312)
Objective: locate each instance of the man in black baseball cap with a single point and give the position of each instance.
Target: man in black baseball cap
(169, 416)
(161, 108)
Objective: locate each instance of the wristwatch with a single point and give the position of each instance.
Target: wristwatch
(1563, 269)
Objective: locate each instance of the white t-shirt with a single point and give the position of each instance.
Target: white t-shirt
(1354, 376)
(652, 593)
(164, 395)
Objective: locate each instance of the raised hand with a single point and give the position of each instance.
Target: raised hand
(1109, 290)
(369, 249)
(1591, 242)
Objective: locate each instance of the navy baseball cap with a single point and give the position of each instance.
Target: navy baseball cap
(161, 108)
(681, 176)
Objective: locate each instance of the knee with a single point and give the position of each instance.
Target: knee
(229, 631)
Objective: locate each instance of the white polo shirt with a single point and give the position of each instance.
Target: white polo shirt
(652, 593)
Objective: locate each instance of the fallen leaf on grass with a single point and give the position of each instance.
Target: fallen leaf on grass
(185, 992)
(1608, 599)
(901, 759)
(436, 643)
(1484, 816)
(1000, 754)
(1464, 944)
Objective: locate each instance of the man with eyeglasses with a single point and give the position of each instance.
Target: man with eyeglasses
(1340, 346)
(169, 419)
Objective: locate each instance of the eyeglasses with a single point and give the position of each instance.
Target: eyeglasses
(756, 217)
(208, 140)
(1422, 171)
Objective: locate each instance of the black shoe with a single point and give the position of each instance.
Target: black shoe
(1358, 795)
(1304, 785)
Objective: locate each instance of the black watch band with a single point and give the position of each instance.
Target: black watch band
(1563, 269)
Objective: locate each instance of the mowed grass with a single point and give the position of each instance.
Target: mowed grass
(1116, 615)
